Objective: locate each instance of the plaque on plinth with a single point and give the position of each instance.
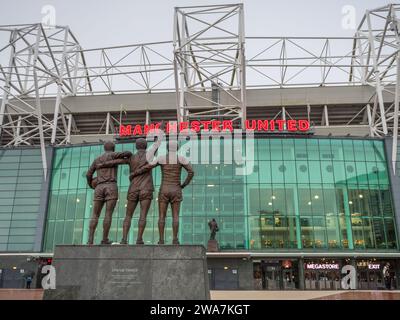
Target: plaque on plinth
(130, 272)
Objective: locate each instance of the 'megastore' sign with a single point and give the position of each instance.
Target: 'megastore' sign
(322, 266)
(216, 126)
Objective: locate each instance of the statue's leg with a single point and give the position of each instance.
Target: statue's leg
(144, 209)
(175, 221)
(130, 209)
(162, 212)
(97, 206)
(110, 205)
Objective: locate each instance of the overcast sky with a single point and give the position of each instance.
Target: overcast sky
(103, 23)
(98, 23)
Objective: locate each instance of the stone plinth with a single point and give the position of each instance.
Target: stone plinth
(130, 272)
(212, 246)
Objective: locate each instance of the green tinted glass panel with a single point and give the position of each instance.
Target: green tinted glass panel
(299, 193)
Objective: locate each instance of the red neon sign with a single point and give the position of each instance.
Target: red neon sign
(216, 126)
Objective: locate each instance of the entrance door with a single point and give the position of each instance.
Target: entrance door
(275, 275)
(363, 279)
(323, 281)
(225, 279)
(328, 280)
(12, 278)
(288, 278)
(311, 279)
(272, 278)
(375, 278)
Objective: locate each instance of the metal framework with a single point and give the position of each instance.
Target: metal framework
(204, 64)
(135, 68)
(376, 61)
(40, 61)
(209, 56)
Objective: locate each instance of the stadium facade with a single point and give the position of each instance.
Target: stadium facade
(323, 184)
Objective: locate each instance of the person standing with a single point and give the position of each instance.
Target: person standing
(28, 281)
(386, 276)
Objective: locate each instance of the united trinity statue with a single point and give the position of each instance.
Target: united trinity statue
(141, 188)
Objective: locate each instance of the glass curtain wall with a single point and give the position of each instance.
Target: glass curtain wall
(300, 193)
(21, 182)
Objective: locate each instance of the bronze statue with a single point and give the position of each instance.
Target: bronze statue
(105, 189)
(212, 245)
(171, 187)
(140, 190)
(213, 228)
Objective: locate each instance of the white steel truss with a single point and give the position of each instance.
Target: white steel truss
(209, 56)
(135, 68)
(376, 60)
(40, 61)
(207, 70)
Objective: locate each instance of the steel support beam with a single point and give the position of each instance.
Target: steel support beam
(208, 56)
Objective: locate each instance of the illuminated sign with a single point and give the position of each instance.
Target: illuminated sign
(217, 126)
(371, 266)
(322, 266)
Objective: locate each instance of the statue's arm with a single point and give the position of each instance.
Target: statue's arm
(89, 174)
(112, 163)
(190, 174)
(143, 169)
(122, 155)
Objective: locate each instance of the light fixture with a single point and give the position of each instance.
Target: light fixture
(78, 200)
(309, 203)
(273, 197)
(225, 268)
(360, 196)
(350, 202)
(316, 196)
(14, 268)
(211, 185)
(270, 203)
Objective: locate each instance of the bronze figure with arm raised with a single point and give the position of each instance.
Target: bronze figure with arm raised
(171, 187)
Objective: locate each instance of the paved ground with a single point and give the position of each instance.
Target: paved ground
(37, 294)
(21, 294)
(361, 295)
(305, 295)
